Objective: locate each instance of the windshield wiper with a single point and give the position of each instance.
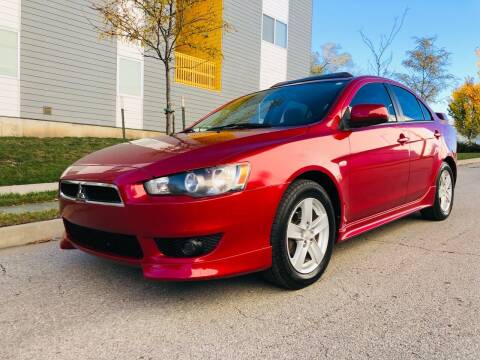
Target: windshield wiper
(239, 126)
(186, 131)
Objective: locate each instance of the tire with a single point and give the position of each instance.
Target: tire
(439, 211)
(288, 270)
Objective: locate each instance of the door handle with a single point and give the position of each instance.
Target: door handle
(437, 134)
(402, 139)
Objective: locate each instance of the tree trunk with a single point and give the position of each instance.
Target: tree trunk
(168, 98)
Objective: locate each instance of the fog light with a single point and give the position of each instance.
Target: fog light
(188, 247)
(192, 247)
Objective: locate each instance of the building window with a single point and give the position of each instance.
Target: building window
(274, 31)
(281, 34)
(268, 28)
(130, 77)
(9, 53)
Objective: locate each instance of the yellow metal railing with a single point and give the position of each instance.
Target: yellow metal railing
(193, 71)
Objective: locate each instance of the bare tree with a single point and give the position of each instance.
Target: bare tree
(160, 28)
(330, 60)
(381, 56)
(426, 67)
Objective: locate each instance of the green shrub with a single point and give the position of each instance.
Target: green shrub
(468, 148)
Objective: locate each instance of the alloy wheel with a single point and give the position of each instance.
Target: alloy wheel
(445, 191)
(307, 235)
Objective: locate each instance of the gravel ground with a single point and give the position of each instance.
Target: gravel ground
(408, 290)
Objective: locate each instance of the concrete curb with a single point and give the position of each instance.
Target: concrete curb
(468, 161)
(31, 233)
(29, 188)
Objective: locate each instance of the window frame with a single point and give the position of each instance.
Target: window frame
(17, 32)
(121, 94)
(275, 20)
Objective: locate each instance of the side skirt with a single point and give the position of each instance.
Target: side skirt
(360, 226)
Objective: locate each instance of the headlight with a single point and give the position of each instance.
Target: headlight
(203, 182)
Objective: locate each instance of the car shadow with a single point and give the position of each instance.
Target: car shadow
(114, 277)
(111, 276)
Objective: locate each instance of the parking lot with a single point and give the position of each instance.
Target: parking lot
(410, 289)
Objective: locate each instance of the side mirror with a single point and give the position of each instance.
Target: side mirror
(368, 114)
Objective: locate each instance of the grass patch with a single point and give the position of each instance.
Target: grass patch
(464, 156)
(31, 198)
(28, 217)
(28, 160)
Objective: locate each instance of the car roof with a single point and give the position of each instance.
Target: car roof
(333, 76)
(342, 76)
(336, 76)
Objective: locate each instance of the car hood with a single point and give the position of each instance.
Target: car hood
(184, 151)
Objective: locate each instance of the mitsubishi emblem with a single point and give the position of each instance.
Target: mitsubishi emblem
(81, 194)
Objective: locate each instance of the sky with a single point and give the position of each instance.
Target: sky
(456, 23)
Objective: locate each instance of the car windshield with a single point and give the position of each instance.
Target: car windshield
(278, 107)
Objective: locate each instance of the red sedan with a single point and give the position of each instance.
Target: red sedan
(268, 182)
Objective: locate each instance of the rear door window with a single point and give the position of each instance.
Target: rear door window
(408, 102)
(375, 93)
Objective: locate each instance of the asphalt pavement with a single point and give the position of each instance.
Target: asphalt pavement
(408, 290)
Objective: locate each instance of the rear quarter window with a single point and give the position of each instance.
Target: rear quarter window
(427, 115)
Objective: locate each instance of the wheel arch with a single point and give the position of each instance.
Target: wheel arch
(453, 165)
(325, 179)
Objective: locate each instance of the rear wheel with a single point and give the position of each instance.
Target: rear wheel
(302, 236)
(444, 196)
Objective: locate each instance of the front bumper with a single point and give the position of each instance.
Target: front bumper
(244, 219)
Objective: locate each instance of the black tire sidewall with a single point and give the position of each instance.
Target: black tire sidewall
(297, 192)
(440, 213)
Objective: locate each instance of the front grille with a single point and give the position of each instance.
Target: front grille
(101, 194)
(173, 247)
(69, 189)
(103, 241)
(90, 192)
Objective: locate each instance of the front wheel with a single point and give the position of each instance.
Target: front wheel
(443, 197)
(302, 236)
